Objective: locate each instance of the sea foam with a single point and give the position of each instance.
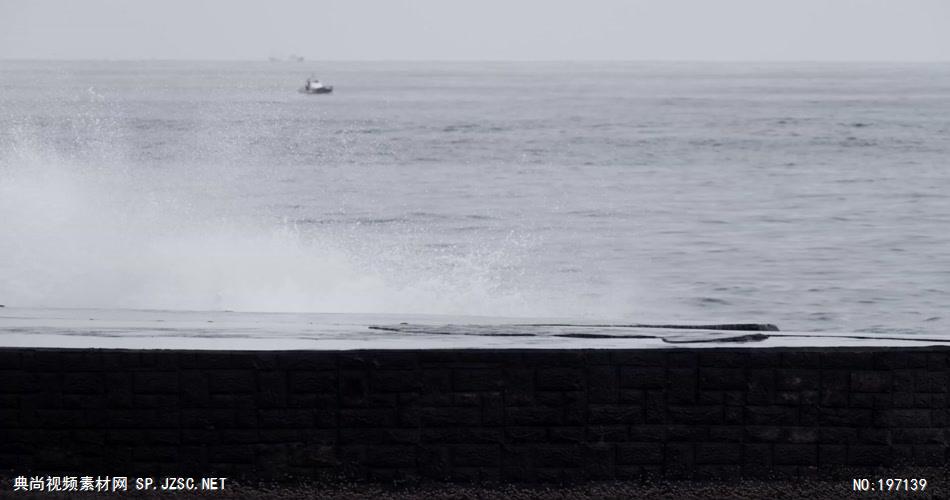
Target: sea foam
(80, 233)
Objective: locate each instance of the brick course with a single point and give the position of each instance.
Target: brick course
(473, 414)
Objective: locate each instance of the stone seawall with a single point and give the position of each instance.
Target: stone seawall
(518, 415)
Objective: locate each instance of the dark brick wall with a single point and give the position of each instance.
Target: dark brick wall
(467, 414)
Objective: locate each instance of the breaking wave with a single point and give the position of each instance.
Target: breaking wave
(77, 233)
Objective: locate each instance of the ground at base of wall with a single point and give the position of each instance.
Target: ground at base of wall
(803, 488)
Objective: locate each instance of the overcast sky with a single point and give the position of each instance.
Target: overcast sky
(879, 30)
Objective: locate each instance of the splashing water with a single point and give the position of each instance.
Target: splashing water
(79, 235)
(807, 195)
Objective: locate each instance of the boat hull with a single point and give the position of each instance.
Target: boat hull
(321, 90)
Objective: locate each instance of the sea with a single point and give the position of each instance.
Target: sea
(815, 196)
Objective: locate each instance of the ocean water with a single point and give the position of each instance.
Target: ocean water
(814, 196)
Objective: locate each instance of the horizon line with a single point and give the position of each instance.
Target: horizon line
(516, 61)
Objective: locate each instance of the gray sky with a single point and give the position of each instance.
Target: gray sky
(879, 30)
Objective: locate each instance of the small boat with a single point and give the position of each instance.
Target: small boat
(313, 86)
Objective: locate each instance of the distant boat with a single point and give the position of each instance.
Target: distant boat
(313, 86)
